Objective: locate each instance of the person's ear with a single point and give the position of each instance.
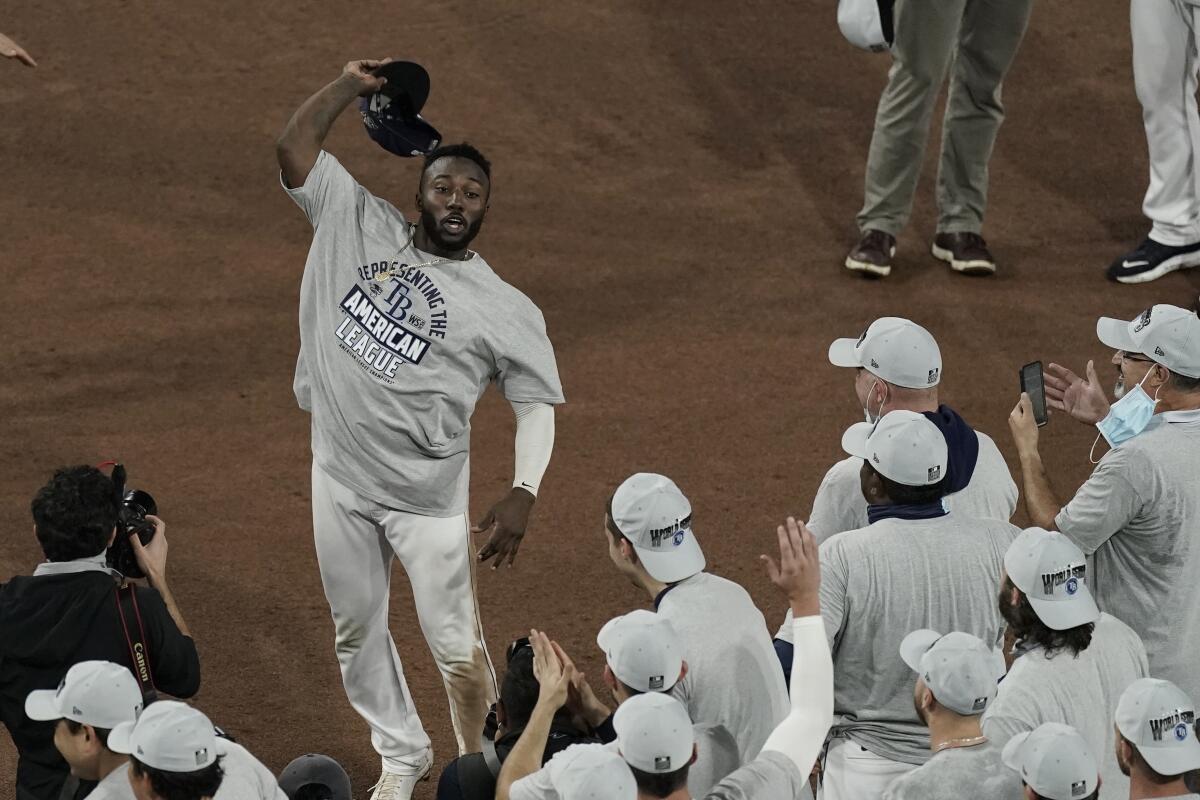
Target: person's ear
(682, 671)
(627, 552)
(610, 680)
(1027, 792)
(695, 752)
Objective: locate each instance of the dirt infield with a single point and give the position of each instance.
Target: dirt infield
(674, 185)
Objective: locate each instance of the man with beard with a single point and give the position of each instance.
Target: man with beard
(1156, 740)
(1072, 662)
(402, 327)
(956, 681)
(1136, 516)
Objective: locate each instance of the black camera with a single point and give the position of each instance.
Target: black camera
(132, 507)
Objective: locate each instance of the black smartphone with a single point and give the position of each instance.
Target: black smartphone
(1033, 385)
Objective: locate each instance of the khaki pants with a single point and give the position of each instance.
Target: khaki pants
(976, 41)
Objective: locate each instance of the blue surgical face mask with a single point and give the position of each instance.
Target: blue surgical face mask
(1129, 416)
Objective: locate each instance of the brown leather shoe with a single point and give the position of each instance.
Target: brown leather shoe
(964, 252)
(873, 254)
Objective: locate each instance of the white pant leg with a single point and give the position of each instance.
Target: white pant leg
(854, 773)
(1164, 73)
(437, 556)
(355, 559)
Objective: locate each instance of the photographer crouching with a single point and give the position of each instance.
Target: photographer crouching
(77, 607)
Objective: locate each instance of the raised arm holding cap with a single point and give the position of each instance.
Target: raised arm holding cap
(1135, 515)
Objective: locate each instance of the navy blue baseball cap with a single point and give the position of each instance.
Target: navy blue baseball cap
(392, 116)
(316, 770)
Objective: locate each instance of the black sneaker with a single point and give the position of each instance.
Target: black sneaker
(1151, 260)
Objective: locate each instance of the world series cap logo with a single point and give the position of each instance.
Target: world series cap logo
(1181, 732)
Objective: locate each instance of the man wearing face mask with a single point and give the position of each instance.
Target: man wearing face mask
(1136, 516)
(898, 368)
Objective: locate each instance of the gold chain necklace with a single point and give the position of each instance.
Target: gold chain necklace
(967, 741)
(385, 275)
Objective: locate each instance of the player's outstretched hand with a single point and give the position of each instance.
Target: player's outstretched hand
(798, 572)
(1023, 426)
(1083, 399)
(553, 677)
(10, 49)
(361, 73)
(506, 521)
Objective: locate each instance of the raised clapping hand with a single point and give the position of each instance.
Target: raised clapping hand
(360, 73)
(1083, 399)
(581, 699)
(10, 49)
(553, 677)
(798, 573)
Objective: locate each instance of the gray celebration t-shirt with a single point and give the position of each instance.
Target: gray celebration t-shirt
(1081, 691)
(839, 504)
(1138, 520)
(882, 582)
(957, 772)
(397, 346)
(770, 776)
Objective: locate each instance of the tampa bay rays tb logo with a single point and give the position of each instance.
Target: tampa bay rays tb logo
(400, 301)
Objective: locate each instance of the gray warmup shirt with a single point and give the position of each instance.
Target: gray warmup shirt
(886, 580)
(957, 772)
(840, 505)
(1138, 519)
(770, 776)
(733, 676)
(1081, 691)
(397, 346)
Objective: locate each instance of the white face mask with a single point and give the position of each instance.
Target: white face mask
(1127, 417)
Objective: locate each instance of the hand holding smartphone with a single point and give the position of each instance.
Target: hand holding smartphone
(1033, 384)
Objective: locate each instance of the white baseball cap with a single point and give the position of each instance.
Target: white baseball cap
(591, 772)
(97, 693)
(1169, 335)
(895, 349)
(862, 23)
(169, 736)
(1052, 572)
(643, 650)
(1054, 760)
(903, 446)
(1159, 719)
(654, 733)
(958, 668)
(650, 511)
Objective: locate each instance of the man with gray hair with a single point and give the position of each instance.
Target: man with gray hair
(1157, 745)
(1136, 516)
(956, 680)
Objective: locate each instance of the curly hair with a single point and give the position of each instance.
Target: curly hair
(1030, 630)
(74, 514)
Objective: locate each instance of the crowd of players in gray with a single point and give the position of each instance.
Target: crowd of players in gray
(931, 649)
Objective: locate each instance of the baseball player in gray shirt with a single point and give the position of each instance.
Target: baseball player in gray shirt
(898, 366)
(1136, 517)
(1157, 745)
(733, 676)
(1054, 763)
(956, 681)
(1072, 662)
(402, 328)
(916, 566)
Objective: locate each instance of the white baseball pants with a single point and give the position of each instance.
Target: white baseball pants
(1164, 72)
(356, 541)
(852, 772)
